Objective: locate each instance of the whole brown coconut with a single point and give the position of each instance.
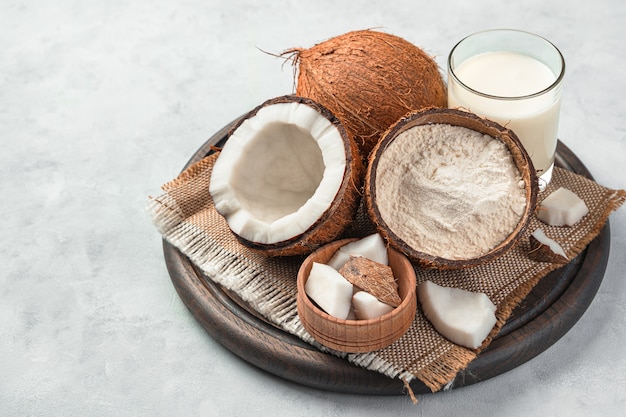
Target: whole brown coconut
(369, 80)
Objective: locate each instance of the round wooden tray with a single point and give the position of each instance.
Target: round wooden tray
(553, 306)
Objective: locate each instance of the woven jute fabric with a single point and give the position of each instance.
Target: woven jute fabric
(185, 216)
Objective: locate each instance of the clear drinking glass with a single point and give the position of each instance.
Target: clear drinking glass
(514, 78)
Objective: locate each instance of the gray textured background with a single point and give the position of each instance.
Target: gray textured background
(103, 101)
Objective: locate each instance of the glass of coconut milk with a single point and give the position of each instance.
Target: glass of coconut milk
(514, 78)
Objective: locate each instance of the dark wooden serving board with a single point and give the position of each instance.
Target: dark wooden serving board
(553, 306)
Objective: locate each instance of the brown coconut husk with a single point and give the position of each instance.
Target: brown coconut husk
(341, 212)
(372, 277)
(368, 79)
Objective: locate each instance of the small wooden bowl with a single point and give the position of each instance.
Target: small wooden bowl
(356, 336)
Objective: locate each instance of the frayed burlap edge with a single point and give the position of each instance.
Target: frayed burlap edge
(440, 374)
(242, 278)
(238, 276)
(614, 199)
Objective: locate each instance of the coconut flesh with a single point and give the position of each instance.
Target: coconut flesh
(463, 317)
(283, 173)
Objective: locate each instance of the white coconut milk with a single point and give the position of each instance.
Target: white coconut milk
(510, 81)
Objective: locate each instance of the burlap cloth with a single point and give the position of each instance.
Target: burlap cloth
(185, 216)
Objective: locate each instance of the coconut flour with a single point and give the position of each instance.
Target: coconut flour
(449, 191)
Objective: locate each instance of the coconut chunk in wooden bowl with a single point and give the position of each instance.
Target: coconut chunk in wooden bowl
(352, 335)
(450, 189)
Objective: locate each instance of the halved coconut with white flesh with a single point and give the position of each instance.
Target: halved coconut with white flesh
(288, 178)
(449, 189)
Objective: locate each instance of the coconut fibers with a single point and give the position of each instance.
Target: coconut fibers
(449, 191)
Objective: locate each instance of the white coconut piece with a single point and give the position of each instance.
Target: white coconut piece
(278, 172)
(330, 290)
(554, 246)
(463, 317)
(562, 208)
(366, 306)
(372, 247)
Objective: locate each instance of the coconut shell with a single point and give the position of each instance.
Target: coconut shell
(369, 80)
(471, 121)
(341, 212)
(372, 277)
(541, 252)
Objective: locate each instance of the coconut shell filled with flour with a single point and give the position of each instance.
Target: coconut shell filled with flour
(450, 189)
(288, 178)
